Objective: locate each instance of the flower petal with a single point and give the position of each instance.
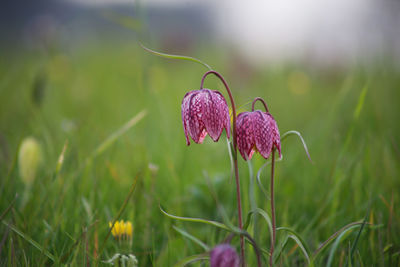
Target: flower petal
(185, 114)
(215, 113)
(245, 135)
(226, 119)
(263, 124)
(195, 123)
(224, 256)
(276, 138)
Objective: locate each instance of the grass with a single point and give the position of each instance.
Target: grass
(348, 117)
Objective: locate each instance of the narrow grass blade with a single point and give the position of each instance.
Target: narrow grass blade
(8, 208)
(252, 197)
(258, 176)
(117, 134)
(191, 259)
(65, 256)
(260, 185)
(132, 189)
(198, 220)
(176, 57)
(356, 115)
(230, 152)
(299, 240)
(265, 252)
(350, 264)
(353, 248)
(335, 245)
(32, 242)
(301, 245)
(192, 238)
(263, 214)
(360, 102)
(60, 160)
(279, 249)
(332, 237)
(3, 240)
(360, 259)
(253, 203)
(289, 133)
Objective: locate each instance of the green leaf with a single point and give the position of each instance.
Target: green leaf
(301, 245)
(252, 197)
(260, 185)
(299, 239)
(332, 237)
(176, 57)
(279, 249)
(360, 103)
(198, 220)
(117, 134)
(230, 152)
(353, 248)
(193, 238)
(337, 242)
(191, 259)
(31, 241)
(289, 133)
(8, 208)
(263, 214)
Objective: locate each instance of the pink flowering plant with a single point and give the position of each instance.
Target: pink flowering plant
(206, 112)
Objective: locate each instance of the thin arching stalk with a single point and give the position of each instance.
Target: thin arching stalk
(235, 161)
(262, 101)
(272, 187)
(272, 208)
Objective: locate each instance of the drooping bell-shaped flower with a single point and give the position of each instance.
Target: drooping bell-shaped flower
(224, 256)
(257, 130)
(205, 112)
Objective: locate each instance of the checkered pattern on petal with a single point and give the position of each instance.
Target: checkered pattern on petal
(195, 122)
(224, 256)
(185, 114)
(245, 136)
(204, 112)
(276, 138)
(257, 130)
(263, 132)
(216, 113)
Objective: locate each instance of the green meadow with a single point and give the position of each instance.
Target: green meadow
(107, 121)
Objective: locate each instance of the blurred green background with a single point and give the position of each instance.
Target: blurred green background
(78, 95)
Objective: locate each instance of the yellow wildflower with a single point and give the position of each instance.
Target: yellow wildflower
(128, 229)
(121, 229)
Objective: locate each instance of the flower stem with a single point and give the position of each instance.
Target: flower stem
(272, 208)
(235, 161)
(261, 100)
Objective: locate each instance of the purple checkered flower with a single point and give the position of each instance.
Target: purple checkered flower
(257, 131)
(224, 256)
(205, 112)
